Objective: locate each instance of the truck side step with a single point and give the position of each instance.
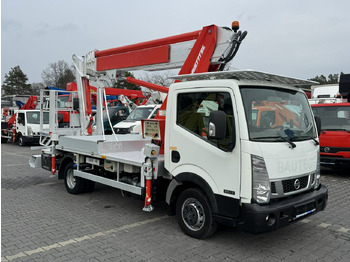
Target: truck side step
(109, 182)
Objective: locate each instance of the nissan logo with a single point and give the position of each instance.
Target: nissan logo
(296, 184)
(327, 149)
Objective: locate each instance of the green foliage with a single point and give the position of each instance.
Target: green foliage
(332, 79)
(123, 84)
(15, 83)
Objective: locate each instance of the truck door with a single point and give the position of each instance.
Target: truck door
(191, 148)
(21, 123)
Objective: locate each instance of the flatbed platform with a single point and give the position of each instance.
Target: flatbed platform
(126, 149)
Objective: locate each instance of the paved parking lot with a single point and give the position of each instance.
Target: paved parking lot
(40, 221)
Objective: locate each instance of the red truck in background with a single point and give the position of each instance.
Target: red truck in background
(335, 128)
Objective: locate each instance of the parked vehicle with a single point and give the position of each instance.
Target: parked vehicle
(117, 114)
(27, 128)
(132, 124)
(23, 125)
(335, 132)
(203, 154)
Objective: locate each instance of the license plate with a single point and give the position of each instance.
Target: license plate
(93, 161)
(304, 210)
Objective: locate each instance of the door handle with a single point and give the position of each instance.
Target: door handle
(175, 156)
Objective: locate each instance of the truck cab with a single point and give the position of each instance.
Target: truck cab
(247, 170)
(335, 134)
(28, 126)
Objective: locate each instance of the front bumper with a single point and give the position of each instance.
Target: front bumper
(31, 139)
(260, 219)
(327, 161)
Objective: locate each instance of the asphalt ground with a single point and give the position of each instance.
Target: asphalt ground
(40, 221)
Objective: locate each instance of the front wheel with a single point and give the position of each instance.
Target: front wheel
(74, 185)
(21, 141)
(194, 214)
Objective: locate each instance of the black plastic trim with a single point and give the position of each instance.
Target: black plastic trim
(195, 179)
(254, 215)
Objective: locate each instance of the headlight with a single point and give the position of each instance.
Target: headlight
(30, 131)
(318, 172)
(261, 182)
(131, 129)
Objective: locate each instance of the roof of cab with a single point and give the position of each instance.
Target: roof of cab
(247, 75)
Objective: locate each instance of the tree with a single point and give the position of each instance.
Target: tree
(36, 88)
(15, 82)
(161, 78)
(332, 79)
(58, 74)
(123, 84)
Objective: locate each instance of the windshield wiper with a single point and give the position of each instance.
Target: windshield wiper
(283, 134)
(292, 145)
(307, 137)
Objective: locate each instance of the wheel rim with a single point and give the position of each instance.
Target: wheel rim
(70, 178)
(192, 213)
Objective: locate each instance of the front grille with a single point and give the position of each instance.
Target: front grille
(121, 130)
(273, 188)
(295, 184)
(333, 150)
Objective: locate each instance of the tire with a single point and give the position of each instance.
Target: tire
(89, 186)
(21, 141)
(194, 214)
(74, 185)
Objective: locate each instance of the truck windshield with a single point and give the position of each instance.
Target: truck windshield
(276, 114)
(333, 118)
(34, 118)
(140, 113)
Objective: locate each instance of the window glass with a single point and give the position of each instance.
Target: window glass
(275, 114)
(154, 113)
(333, 117)
(34, 117)
(193, 110)
(21, 118)
(140, 113)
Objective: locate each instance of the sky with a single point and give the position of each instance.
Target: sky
(298, 38)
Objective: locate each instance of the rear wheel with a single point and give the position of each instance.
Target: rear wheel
(194, 214)
(74, 185)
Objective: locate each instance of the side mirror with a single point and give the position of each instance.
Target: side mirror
(217, 125)
(76, 104)
(318, 124)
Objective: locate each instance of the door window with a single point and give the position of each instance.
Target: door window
(193, 110)
(21, 118)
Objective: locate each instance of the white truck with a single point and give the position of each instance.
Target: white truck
(325, 94)
(28, 126)
(23, 125)
(203, 153)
